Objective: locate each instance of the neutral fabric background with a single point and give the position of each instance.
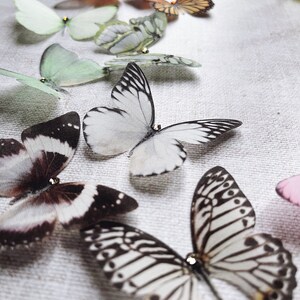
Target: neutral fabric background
(249, 51)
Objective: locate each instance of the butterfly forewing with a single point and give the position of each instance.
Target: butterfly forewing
(259, 265)
(51, 145)
(289, 189)
(139, 264)
(220, 215)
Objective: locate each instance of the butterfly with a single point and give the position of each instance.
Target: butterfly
(289, 189)
(59, 67)
(224, 247)
(74, 4)
(129, 124)
(150, 59)
(117, 37)
(41, 19)
(174, 7)
(28, 173)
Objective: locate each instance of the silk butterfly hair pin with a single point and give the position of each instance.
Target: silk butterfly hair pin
(41, 19)
(224, 247)
(118, 37)
(28, 174)
(289, 189)
(59, 68)
(175, 7)
(129, 125)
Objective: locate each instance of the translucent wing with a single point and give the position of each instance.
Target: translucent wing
(193, 7)
(128, 122)
(221, 220)
(31, 81)
(220, 215)
(162, 152)
(289, 189)
(139, 264)
(37, 17)
(77, 203)
(46, 150)
(150, 59)
(86, 25)
(65, 68)
(119, 37)
(259, 265)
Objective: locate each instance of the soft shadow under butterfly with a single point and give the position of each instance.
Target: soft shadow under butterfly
(28, 173)
(129, 124)
(222, 219)
(41, 19)
(174, 7)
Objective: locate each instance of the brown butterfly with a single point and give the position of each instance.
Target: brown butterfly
(174, 7)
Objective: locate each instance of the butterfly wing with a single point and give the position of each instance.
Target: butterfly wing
(139, 264)
(83, 204)
(86, 25)
(163, 152)
(128, 122)
(65, 68)
(150, 59)
(289, 189)
(74, 4)
(30, 81)
(193, 7)
(221, 220)
(37, 17)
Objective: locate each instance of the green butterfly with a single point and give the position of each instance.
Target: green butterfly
(117, 37)
(60, 67)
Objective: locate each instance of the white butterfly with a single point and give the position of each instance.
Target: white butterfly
(41, 19)
(118, 37)
(149, 59)
(28, 173)
(129, 124)
(60, 67)
(224, 247)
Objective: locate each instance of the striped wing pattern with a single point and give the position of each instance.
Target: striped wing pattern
(139, 264)
(193, 7)
(221, 220)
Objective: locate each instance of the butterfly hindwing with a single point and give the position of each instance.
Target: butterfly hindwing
(259, 265)
(139, 264)
(162, 152)
(83, 204)
(289, 189)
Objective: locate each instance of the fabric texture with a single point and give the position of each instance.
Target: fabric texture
(249, 51)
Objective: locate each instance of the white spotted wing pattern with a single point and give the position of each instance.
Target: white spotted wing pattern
(222, 219)
(129, 126)
(28, 173)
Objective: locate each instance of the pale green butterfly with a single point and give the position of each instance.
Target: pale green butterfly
(60, 67)
(149, 59)
(41, 19)
(117, 37)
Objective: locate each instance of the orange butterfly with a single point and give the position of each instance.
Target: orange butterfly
(174, 7)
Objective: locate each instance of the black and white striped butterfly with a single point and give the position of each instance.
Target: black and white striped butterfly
(28, 173)
(222, 220)
(129, 124)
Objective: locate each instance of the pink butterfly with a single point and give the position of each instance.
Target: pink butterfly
(289, 189)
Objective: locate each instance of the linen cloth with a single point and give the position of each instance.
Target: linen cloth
(249, 51)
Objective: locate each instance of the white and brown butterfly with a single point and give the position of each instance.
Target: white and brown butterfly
(224, 247)
(28, 173)
(174, 7)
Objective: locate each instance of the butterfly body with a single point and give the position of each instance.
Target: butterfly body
(224, 247)
(29, 174)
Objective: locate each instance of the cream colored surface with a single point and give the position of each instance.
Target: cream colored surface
(249, 51)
